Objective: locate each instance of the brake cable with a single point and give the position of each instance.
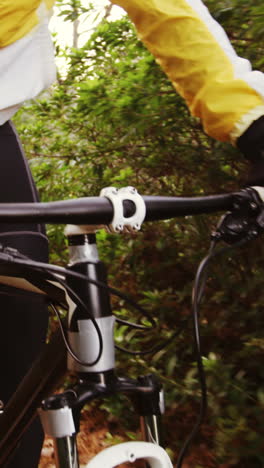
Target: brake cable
(198, 291)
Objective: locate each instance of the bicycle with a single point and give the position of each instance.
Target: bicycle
(82, 289)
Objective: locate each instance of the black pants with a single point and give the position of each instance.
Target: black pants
(24, 319)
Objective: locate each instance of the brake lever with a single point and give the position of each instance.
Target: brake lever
(245, 221)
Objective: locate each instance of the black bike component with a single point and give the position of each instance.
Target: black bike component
(82, 239)
(90, 387)
(99, 210)
(59, 400)
(106, 378)
(245, 221)
(146, 389)
(147, 404)
(150, 407)
(87, 390)
(65, 451)
(96, 298)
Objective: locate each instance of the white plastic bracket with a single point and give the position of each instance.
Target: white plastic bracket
(57, 423)
(130, 452)
(117, 197)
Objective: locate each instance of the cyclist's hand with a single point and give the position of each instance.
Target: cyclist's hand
(251, 143)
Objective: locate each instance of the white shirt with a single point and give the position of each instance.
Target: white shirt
(27, 67)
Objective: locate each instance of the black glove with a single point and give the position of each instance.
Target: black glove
(251, 144)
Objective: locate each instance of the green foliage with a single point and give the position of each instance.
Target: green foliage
(114, 119)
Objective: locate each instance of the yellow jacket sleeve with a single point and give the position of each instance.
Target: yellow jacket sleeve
(219, 87)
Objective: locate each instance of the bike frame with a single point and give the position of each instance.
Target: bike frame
(50, 367)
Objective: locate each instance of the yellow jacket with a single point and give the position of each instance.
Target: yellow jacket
(219, 87)
(19, 17)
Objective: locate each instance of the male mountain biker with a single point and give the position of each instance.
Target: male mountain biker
(219, 87)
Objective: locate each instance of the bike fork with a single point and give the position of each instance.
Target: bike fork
(66, 454)
(151, 428)
(58, 423)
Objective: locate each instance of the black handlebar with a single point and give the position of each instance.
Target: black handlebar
(159, 208)
(99, 210)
